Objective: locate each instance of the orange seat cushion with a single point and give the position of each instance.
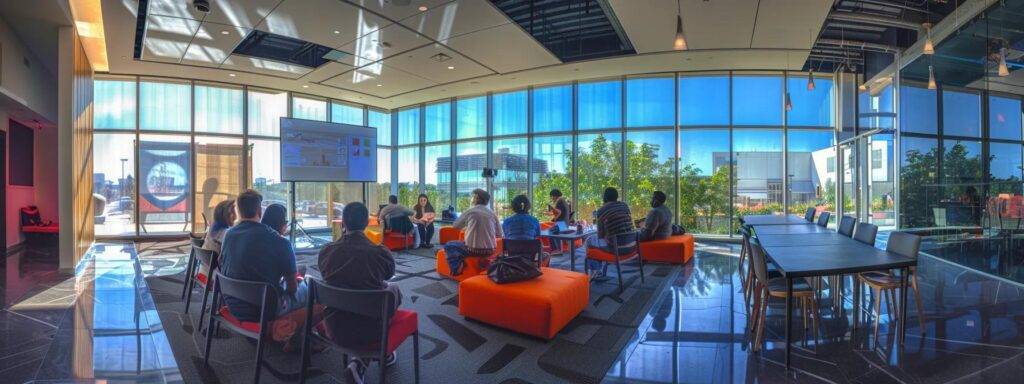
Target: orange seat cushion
(608, 257)
(472, 267)
(52, 228)
(397, 242)
(540, 307)
(250, 326)
(201, 277)
(447, 234)
(375, 236)
(675, 249)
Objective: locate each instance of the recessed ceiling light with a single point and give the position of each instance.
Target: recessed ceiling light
(380, 85)
(225, 32)
(231, 74)
(423, 8)
(305, 86)
(451, 67)
(337, 32)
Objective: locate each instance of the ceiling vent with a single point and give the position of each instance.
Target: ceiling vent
(572, 30)
(285, 49)
(440, 57)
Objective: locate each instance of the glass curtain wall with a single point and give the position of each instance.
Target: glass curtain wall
(168, 150)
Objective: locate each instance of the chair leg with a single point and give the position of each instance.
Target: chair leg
(762, 318)
(878, 309)
(618, 273)
(202, 312)
(188, 272)
(416, 355)
(816, 314)
(917, 302)
(890, 301)
(383, 368)
(191, 286)
(754, 309)
(259, 352)
(638, 256)
(209, 341)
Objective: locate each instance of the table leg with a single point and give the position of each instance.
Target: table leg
(572, 256)
(789, 317)
(856, 305)
(903, 304)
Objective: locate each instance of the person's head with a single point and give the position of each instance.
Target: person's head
(610, 194)
(658, 199)
(521, 204)
(276, 217)
(223, 215)
(423, 200)
(392, 199)
(481, 197)
(555, 194)
(248, 205)
(355, 217)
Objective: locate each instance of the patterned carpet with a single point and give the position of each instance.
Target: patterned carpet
(451, 346)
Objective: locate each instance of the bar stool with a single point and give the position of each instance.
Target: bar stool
(766, 287)
(880, 282)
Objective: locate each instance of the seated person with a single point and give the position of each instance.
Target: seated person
(658, 223)
(481, 227)
(521, 225)
(561, 211)
(223, 219)
(354, 262)
(613, 218)
(276, 217)
(253, 251)
(393, 209)
(424, 220)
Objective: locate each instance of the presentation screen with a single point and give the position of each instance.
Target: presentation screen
(321, 151)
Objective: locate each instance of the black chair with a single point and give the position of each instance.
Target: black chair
(202, 257)
(809, 215)
(866, 233)
(400, 225)
(396, 326)
(823, 219)
(846, 225)
(528, 247)
(259, 294)
(197, 242)
(617, 243)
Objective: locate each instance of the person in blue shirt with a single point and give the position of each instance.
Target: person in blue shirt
(255, 252)
(521, 225)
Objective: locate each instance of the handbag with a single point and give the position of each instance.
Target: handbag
(678, 230)
(511, 269)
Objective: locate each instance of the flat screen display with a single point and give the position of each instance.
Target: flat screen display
(320, 151)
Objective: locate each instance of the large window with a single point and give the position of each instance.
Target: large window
(757, 100)
(382, 122)
(471, 117)
(704, 180)
(552, 108)
(346, 113)
(650, 157)
(380, 191)
(552, 169)
(1004, 116)
(218, 175)
(114, 103)
(409, 126)
(509, 111)
(218, 110)
(961, 114)
(309, 108)
(438, 122)
(470, 160)
(810, 108)
(114, 178)
(918, 175)
(810, 153)
(437, 181)
(165, 106)
(408, 175)
(265, 111)
(600, 104)
(598, 166)
(918, 110)
(757, 160)
(165, 191)
(704, 100)
(509, 158)
(649, 102)
(265, 160)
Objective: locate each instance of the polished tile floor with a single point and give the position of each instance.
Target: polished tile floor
(697, 333)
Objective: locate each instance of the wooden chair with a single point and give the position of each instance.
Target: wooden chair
(259, 294)
(396, 326)
(846, 225)
(617, 243)
(766, 287)
(880, 282)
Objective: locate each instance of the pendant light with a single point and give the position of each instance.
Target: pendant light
(929, 46)
(931, 77)
(789, 103)
(680, 42)
(810, 80)
(1003, 69)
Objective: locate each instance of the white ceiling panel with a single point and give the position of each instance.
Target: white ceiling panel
(213, 43)
(241, 13)
(267, 67)
(503, 48)
(325, 22)
(388, 9)
(384, 42)
(422, 62)
(379, 80)
(456, 18)
(651, 24)
(789, 23)
(167, 38)
(326, 71)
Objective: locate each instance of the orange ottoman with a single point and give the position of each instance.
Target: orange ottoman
(374, 236)
(674, 249)
(472, 267)
(540, 307)
(447, 234)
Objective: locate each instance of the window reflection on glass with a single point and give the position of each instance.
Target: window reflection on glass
(438, 121)
(757, 158)
(649, 102)
(918, 108)
(114, 183)
(346, 114)
(1004, 116)
(918, 175)
(552, 170)
(309, 109)
(265, 111)
(510, 159)
(961, 114)
(875, 108)
(552, 108)
(880, 181)
(218, 109)
(509, 113)
(810, 182)
(470, 160)
(471, 119)
(600, 104)
(438, 175)
(165, 106)
(114, 102)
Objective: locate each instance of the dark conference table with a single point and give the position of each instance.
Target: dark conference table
(827, 253)
(773, 220)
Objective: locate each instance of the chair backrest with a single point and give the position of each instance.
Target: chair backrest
(758, 261)
(522, 247)
(904, 244)
(866, 233)
(809, 215)
(206, 256)
(625, 240)
(846, 225)
(400, 224)
(823, 219)
(375, 304)
(197, 242)
(745, 232)
(257, 293)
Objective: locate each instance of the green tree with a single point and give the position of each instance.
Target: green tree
(918, 172)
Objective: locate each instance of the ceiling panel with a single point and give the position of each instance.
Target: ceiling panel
(379, 80)
(651, 24)
(423, 63)
(326, 22)
(385, 42)
(388, 9)
(789, 23)
(167, 37)
(503, 48)
(242, 13)
(267, 67)
(213, 43)
(326, 71)
(456, 18)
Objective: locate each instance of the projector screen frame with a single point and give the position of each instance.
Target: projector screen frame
(281, 144)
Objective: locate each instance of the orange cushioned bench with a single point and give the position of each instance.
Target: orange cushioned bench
(472, 267)
(392, 242)
(675, 249)
(540, 307)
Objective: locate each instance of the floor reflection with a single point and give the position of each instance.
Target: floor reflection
(697, 333)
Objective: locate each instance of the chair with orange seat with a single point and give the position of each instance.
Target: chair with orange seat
(624, 240)
(447, 234)
(203, 258)
(540, 307)
(474, 265)
(674, 249)
(399, 234)
(259, 294)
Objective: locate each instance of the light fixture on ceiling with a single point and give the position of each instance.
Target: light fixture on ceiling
(929, 46)
(680, 41)
(789, 103)
(231, 74)
(337, 32)
(305, 86)
(862, 87)
(931, 77)
(225, 32)
(810, 79)
(451, 67)
(423, 8)
(380, 85)
(1003, 69)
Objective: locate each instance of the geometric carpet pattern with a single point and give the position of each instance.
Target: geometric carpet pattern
(451, 345)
